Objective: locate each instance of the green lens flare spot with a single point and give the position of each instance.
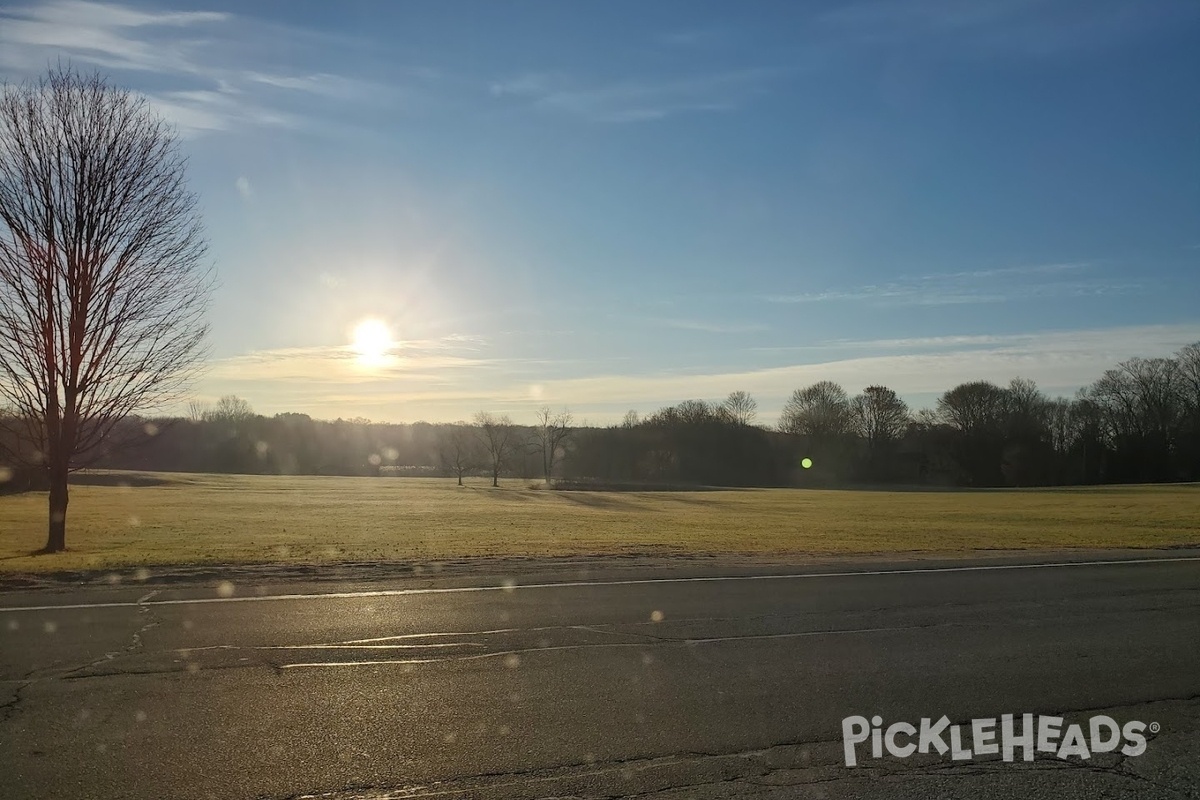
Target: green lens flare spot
(806, 463)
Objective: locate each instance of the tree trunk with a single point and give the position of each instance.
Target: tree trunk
(56, 541)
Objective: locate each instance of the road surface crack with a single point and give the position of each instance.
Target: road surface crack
(136, 643)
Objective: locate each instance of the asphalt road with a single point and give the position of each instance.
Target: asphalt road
(681, 688)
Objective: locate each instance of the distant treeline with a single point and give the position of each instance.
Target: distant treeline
(1139, 422)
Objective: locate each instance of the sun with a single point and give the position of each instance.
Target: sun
(372, 341)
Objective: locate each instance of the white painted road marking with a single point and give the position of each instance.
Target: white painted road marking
(592, 646)
(583, 584)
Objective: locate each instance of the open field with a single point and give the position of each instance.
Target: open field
(251, 519)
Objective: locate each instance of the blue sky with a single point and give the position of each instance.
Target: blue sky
(616, 205)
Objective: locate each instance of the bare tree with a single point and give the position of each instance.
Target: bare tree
(821, 410)
(198, 411)
(741, 407)
(974, 408)
(230, 408)
(1188, 360)
(459, 450)
(102, 286)
(631, 419)
(1063, 424)
(498, 436)
(550, 436)
(879, 416)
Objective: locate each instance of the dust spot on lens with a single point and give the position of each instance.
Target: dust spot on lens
(141, 574)
(50, 626)
(512, 661)
(656, 616)
(140, 716)
(508, 585)
(224, 589)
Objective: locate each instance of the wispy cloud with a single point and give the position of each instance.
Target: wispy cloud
(693, 37)
(452, 377)
(414, 361)
(213, 73)
(637, 100)
(709, 327)
(105, 34)
(996, 27)
(978, 286)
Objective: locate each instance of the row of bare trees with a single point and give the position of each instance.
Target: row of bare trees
(493, 443)
(1140, 421)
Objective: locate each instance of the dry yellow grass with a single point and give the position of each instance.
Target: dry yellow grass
(244, 519)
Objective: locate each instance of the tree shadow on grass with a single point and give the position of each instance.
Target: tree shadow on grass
(596, 500)
(41, 551)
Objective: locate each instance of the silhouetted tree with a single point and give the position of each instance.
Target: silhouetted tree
(550, 435)
(976, 411)
(741, 407)
(821, 411)
(230, 408)
(880, 417)
(499, 440)
(1141, 405)
(819, 416)
(459, 450)
(198, 410)
(102, 287)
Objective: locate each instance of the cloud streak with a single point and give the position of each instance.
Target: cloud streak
(637, 100)
(217, 76)
(992, 28)
(979, 286)
(709, 327)
(443, 380)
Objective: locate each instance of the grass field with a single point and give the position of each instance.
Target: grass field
(251, 519)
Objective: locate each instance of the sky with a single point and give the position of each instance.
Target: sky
(604, 206)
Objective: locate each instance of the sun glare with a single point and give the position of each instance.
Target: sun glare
(372, 341)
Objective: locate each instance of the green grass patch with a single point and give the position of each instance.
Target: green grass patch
(199, 519)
